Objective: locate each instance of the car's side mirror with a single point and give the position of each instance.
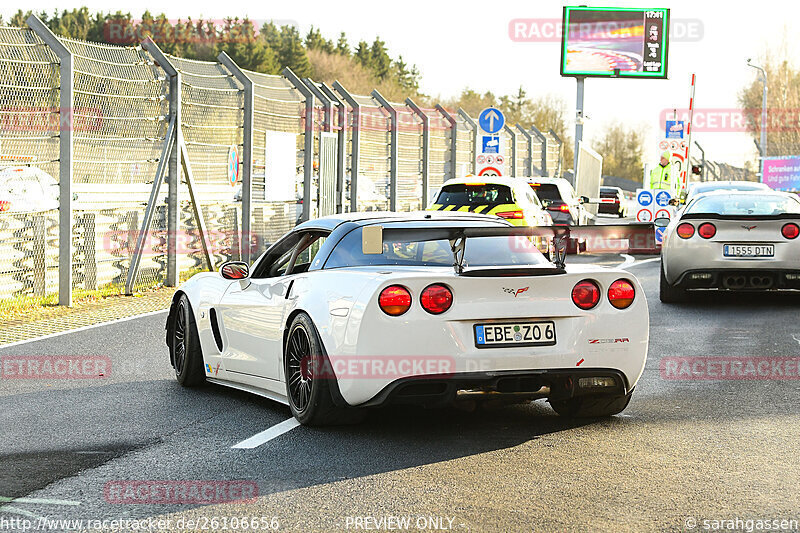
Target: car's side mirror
(546, 203)
(584, 199)
(661, 222)
(234, 270)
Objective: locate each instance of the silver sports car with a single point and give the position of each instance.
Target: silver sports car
(732, 240)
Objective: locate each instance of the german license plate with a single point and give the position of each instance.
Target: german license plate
(748, 250)
(511, 334)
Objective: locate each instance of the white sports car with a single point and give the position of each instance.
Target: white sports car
(732, 240)
(351, 311)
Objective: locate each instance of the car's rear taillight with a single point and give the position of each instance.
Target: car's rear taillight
(707, 230)
(5, 205)
(621, 293)
(436, 299)
(685, 230)
(512, 215)
(394, 300)
(790, 230)
(586, 294)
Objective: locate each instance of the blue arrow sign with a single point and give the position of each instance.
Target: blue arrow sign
(491, 120)
(660, 235)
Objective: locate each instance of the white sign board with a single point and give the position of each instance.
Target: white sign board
(490, 156)
(280, 166)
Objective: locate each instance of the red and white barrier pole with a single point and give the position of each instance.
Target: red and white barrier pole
(687, 163)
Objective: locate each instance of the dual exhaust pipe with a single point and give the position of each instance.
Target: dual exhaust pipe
(751, 282)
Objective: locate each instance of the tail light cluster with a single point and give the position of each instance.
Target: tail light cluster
(707, 230)
(790, 230)
(395, 300)
(5, 205)
(515, 215)
(586, 294)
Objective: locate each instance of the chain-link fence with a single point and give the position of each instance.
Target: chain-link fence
(30, 117)
(245, 157)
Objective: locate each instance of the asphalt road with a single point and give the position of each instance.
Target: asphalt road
(683, 452)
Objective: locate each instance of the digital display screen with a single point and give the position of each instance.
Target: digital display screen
(614, 42)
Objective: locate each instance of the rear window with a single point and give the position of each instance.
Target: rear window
(608, 193)
(475, 194)
(547, 191)
(745, 204)
(479, 251)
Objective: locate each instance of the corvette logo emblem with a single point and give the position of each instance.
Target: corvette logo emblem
(748, 228)
(515, 292)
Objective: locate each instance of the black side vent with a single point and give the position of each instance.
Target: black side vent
(215, 329)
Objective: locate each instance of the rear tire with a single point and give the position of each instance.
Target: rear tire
(591, 407)
(309, 377)
(185, 350)
(667, 293)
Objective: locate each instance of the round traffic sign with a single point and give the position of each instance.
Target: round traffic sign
(498, 159)
(644, 215)
(489, 171)
(663, 213)
(644, 198)
(481, 159)
(233, 165)
(491, 120)
(663, 198)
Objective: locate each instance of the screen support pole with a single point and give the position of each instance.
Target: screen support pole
(578, 121)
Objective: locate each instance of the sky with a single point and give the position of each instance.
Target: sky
(468, 44)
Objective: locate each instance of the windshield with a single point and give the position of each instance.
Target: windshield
(547, 191)
(744, 204)
(729, 187)
(479, 251)
(475, 194)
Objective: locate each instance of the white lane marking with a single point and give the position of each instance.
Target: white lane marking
(643, 261)
(16, 510)
(4, 499)
(795, 338)
(267, 435)
(629, 260)
(82, 328)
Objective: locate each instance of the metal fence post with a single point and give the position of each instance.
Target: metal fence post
(543, 139)
(308, 144)
(65, 153)
(702, 162)
(560, 150)
(356, 140)
(173, 176)
(529, 138)
(342, 147)
(453, 139)
(247, 153)
(468, 119)
(426, 145)
(327, 104)
(393, 148)
(513, 135)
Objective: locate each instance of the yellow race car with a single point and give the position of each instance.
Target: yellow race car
(508, 198)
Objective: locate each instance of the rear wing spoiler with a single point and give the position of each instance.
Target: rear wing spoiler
(642, 234)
